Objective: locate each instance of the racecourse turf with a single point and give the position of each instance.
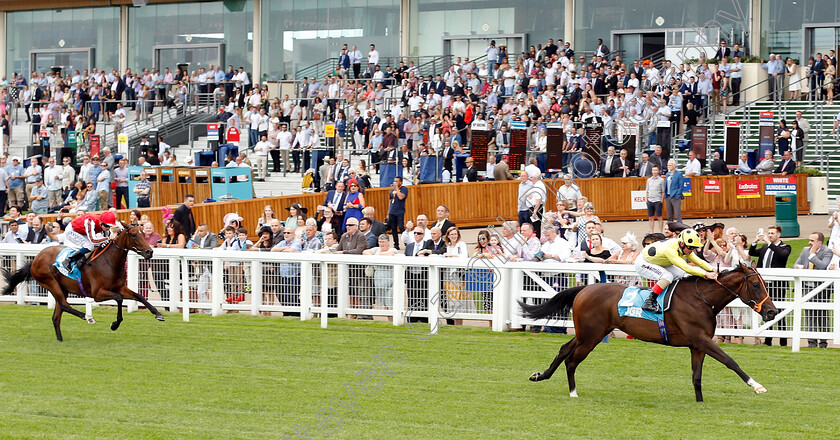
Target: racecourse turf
(246, 377)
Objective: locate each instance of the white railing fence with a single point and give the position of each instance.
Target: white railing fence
(404, 288)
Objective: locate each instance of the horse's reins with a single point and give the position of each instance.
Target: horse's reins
(757, 306)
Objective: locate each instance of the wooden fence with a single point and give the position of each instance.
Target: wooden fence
(483, 203)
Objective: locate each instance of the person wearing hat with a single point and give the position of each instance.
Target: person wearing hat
(471, 173)
(85, 233)
(502, 170)
(663, 261)
(38, 197)
(233, 220)
(294, 211)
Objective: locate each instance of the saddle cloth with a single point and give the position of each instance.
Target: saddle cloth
(74, 273)
(631, 302)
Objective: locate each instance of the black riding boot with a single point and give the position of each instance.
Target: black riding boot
(651, 305)
(72, 259)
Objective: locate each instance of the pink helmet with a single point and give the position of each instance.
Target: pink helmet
(108, 218)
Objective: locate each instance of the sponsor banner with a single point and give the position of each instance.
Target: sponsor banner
(212, 132)
(765, 119)
(711, 186)
(638, 200)
(748, 189)
(778, 184)
(686, 186)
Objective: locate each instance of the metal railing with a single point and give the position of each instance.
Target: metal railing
(399, 287)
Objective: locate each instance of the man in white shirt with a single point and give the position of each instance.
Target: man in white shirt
(284, 144)
(261, 153)
(52, 177)
(373, 58)
(253, 118)
(554, 248)
(692, 167)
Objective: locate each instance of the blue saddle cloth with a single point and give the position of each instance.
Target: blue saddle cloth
(74, 273)
(631, 302)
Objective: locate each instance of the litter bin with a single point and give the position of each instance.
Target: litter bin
(204, 158)
(786, 214)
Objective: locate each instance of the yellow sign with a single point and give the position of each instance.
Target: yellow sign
(122, 142)
(329, 130)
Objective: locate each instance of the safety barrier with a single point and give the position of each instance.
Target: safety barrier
(403, 288)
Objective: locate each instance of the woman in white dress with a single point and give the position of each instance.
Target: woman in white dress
(458, 299)
(794, 83)
(834, 238)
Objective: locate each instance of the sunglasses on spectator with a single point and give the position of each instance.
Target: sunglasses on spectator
(419, 233)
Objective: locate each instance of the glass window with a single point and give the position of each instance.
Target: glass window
(782, 21)
(432, 20)
(206, 24)
(62, 30)
(300, 33)
(596, 19)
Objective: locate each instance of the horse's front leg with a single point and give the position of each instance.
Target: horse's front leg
(697, 358)
(105, 295)
(712, 349)
(129, 294)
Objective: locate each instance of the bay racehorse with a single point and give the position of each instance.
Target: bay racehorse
(103, 278)
(690, 321)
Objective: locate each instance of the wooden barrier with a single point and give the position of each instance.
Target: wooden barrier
(484, 203)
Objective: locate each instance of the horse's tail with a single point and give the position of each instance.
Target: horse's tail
(13, 279)
(560, 303)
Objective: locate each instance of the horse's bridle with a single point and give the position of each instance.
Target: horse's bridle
(751, 302)
(123, 248)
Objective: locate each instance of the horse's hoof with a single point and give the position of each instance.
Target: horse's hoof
(760, 390)
(90, 319)
(573, 393)
(160, 318)
(114, 326)
(535, 377)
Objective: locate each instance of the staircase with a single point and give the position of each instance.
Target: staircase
(821, 118)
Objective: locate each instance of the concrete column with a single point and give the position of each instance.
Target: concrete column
(755, 28)
(123, 47)
(405, 27)
(569, 18)
(3, 45)
(256, 63)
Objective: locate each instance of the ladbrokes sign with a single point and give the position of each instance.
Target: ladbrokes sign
(748, 189)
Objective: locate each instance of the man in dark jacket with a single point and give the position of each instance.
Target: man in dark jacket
(184, 215)
(775, 253)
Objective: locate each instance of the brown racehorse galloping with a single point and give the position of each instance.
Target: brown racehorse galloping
(103, 279)
(690, 322)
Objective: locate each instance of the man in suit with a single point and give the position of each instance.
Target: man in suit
(816, 256)
(774, 253)
(417, 277)
(657, 158)
(601, 50)
(359, 127)
(691, 92)
(722, 51)
(674, 192)
(610, 165)
(645, 166)
(335, 199)
(503, 140)
(448, 154)
(718, 166)
(364, 228)
(184, 215)
(443, 223)
(786, 165)
(502, 171)
(635, 68)
(377, 227)
(471, 173)
(323, 173)
(353, 241)
(435, 245)
(205, 240)
(626, 167)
